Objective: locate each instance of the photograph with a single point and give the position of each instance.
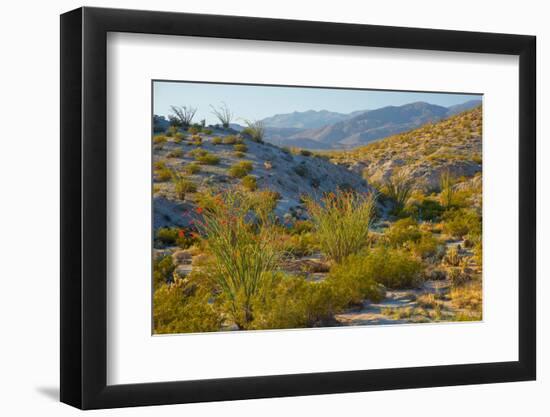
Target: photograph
(289, 207)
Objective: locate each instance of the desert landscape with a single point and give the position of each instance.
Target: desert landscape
(316, 218)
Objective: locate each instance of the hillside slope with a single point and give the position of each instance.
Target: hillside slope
(452, 145)
(273, 168)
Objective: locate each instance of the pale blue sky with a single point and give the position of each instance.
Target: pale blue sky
(257, 102)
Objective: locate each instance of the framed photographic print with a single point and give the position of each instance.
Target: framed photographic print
(257, 208)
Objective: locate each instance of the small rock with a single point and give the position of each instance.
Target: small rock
(182, 257)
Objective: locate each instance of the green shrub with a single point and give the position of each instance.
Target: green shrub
(192, 168)
(426, 209)
(255, 129)
(240, 169)
(163, 270)
(303, 244)
(172, 130)
(167, 235)
(398, 187)
(427, 246)
(394, 268)
(249, 182)
(183, 186)
(197, 152)
(478, 252)
(305, 152)
(163, 174)
(208, 159)
(355, 279)
(178, 137)
(292, 302)
(160, 164)
(193, 130)
(238, 154)
(230, 140)
(159, 139)
(207, 131)
(244, 256)
(462, 222)
(263, 202)
(240, 147)
(216, 140)
(402, 231)
(342, 222)
(181, 307)
(447, 191)
(452, 256)
(302, 226)
(176, 153)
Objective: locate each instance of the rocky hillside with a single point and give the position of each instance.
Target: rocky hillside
(221, 159)
(452, 145)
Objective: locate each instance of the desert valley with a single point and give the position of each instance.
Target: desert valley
(317, 218)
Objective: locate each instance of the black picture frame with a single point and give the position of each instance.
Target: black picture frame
(84, 207)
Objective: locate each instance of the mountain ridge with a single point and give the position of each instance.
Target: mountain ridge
(367, 126)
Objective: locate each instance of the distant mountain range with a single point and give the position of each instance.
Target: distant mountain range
(310, 119)
(330, 130)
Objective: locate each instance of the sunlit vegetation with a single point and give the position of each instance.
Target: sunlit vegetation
(255, 129)
(224, 114)
(246, 254)
(249, 182)
(159, 139)
(192, 168)
(208, 159)
(398, 187)
(342, 221)
(230, 140)
(183, 186)
(240, 169)
(233, 251)
(240, 147)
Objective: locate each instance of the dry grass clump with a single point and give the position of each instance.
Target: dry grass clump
(240, 147)
(175, 153)
(240, 169)
(249, 182)
(159, 139)
(183, 186)
(255, 129)
(230, 140)
(467, 296)
(208, 159)
(163, 174)
(192, 168)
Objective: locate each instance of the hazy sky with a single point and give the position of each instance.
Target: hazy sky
(257, 102)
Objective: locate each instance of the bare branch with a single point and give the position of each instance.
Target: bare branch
(183, 114)
(223, 113)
